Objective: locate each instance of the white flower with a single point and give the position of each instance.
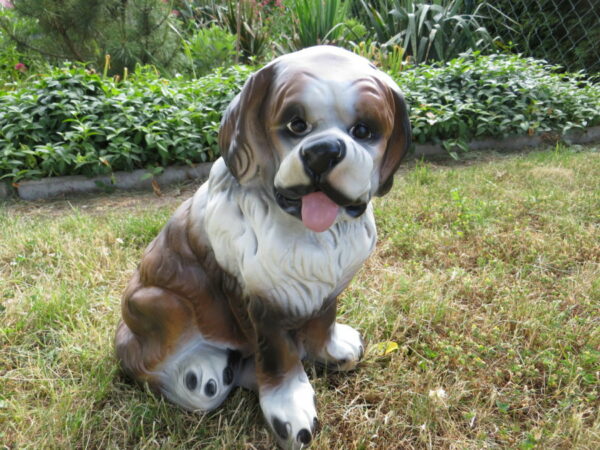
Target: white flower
(438, 394)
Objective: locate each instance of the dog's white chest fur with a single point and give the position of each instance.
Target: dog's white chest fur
(272, 254)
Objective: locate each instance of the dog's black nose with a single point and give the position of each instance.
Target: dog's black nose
(320, 156)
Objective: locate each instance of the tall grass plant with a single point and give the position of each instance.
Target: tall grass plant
(429, 31)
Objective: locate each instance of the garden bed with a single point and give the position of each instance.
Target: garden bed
(73, 122)
(142, 179)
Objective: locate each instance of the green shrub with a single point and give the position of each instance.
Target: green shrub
(197, 13)
(496, 95)
(76, 122)
(389, 58)
(248, 18)
(209, 48)
(317, 21)
(16, 64)
(11, 66)
(437, 30)
(256, 24)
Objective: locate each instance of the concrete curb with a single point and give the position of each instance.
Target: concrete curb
(588, 136)
(5, 190)
(69, 185)
(63, 186)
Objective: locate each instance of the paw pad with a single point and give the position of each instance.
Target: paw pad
(210, 389)
(227, 375)
(304, 436)
(191, 381)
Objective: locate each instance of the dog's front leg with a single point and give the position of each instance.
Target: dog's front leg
(286, 397)
(332, 344)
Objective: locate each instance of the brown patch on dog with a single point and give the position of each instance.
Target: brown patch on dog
(174, 293)
(153, 321)
(276, 347)
(398, 143)
(317, 331)
(243, 128)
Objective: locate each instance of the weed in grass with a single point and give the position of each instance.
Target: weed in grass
(421, 174)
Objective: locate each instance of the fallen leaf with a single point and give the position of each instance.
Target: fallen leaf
(386, 347)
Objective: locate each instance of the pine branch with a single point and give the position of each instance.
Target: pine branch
(69, 43)
(23, 43)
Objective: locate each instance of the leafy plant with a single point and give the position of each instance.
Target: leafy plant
(73, 121)
(436, 30)
(245, 19)
(317, 21)
(209, 48)
(496, 95)
(198, 13)
(16, 63)
(390, 58)
(11, 67)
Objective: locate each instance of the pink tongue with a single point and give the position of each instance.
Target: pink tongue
(318, 211)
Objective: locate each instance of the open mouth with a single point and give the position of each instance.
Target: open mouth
(316, 208)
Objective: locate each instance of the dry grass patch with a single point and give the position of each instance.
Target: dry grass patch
(480, 307)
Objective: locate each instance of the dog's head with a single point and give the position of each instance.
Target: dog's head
(322, 128)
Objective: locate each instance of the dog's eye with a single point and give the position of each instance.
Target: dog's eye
(361, 131)
(298, 126)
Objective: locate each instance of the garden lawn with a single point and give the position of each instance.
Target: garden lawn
(480, 307)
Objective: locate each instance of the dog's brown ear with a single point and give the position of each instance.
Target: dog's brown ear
(398, 143)
(242, 137)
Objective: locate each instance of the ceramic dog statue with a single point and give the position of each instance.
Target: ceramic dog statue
(241, 284)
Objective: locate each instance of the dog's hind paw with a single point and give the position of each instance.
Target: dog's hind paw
(290, 411)
(343, 350)
(200, 376)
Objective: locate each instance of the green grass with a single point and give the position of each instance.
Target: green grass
(486, 276)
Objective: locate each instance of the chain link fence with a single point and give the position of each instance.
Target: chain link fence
(563, 32)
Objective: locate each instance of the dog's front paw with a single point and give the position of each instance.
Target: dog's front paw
(343, 350)
(290, 410)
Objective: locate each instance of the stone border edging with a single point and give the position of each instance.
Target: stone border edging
(588, 136)
(77, 184)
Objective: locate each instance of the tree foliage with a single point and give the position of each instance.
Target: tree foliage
(131, 31)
